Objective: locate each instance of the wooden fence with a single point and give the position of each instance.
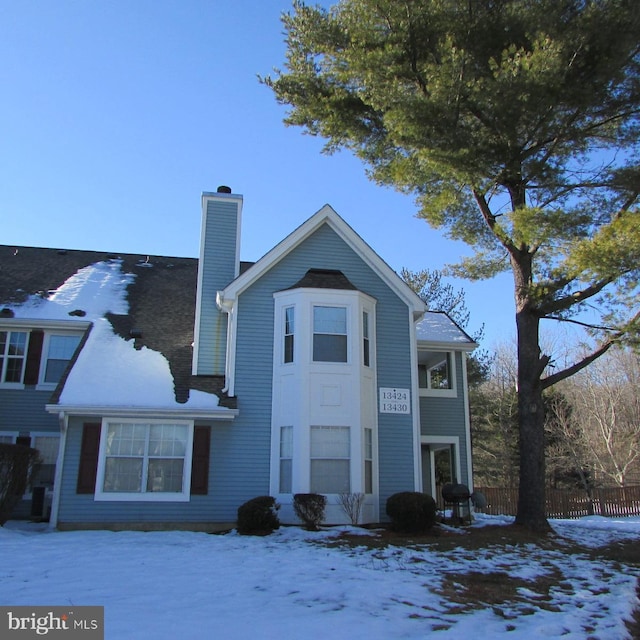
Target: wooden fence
(612, 502)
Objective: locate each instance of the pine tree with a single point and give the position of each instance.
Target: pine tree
(515, 124)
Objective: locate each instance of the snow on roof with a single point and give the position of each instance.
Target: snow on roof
(437, 326)
(109, 371)
(96, 289)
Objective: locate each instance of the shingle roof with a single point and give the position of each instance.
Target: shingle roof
(324, 279)
(161, 302)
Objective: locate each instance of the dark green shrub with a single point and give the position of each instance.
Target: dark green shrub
(17, 465)
(411, 512)
(258, 516)
(309, 507)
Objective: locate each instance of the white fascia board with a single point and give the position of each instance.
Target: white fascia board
(146, 412)
(327, 215)
(432, 345)
(39, 323)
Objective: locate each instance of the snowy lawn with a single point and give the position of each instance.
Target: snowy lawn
(480, 582)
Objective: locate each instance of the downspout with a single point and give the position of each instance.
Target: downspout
(467, 422)
(228, 307)
(415, 402)
(63, 421)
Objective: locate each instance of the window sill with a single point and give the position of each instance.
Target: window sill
(438, 393)
(141, 497)
(11, 385)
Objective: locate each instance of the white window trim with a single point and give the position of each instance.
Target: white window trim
(442, 393)
(44, 357)
(144, 496)
(284, 334)
(11, 434)
(349, 458)
(3, 367)
(348, 310)
(446, 440)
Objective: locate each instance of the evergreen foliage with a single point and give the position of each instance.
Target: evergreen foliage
(411, 511)
(516, 126)
(258, 516)
(17, 466)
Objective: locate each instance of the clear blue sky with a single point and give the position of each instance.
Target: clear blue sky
(117, 114)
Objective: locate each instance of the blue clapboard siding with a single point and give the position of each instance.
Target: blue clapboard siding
(218, 266)
(82, 508)
(446, 417)
(23, 410)
(240, 450)
(323, 250)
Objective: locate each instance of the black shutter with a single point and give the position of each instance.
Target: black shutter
(200, 461)
(89, 458)
(34, 354)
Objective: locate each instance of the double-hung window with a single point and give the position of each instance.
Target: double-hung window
(289, 318)
(329, 334)
(366, 343)
(330, 459)
(13, 351)
(286, 459)
(145, 461)
(60, 350)
(368, 460)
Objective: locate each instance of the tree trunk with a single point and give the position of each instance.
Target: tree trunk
(531, 497)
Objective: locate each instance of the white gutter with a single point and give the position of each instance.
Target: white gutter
(415, 404)
(57, 481)
(467, 423)
(228, 306)
(133, 412)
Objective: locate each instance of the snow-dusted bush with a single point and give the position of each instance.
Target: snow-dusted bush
(258, 516)
(309, 507)
(17, 465)
(411, 512)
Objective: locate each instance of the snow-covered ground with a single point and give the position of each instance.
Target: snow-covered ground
(292, 585)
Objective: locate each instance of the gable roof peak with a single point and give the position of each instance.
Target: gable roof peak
(325, 215)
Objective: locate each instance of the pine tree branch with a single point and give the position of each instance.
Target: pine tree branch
(587, 360)
(578, 366)
(582, 324)
(562, 304)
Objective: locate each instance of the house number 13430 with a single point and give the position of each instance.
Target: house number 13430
(394, 400)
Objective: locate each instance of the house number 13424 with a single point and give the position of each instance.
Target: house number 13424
(394, 400)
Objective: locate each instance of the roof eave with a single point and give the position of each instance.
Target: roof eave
(446, 346)
(148, 412)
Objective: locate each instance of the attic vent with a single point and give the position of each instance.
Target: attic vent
(135, 333)
(6, 313)
(78, 313)
(224, 189)
(62, 252)
(144, 263)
